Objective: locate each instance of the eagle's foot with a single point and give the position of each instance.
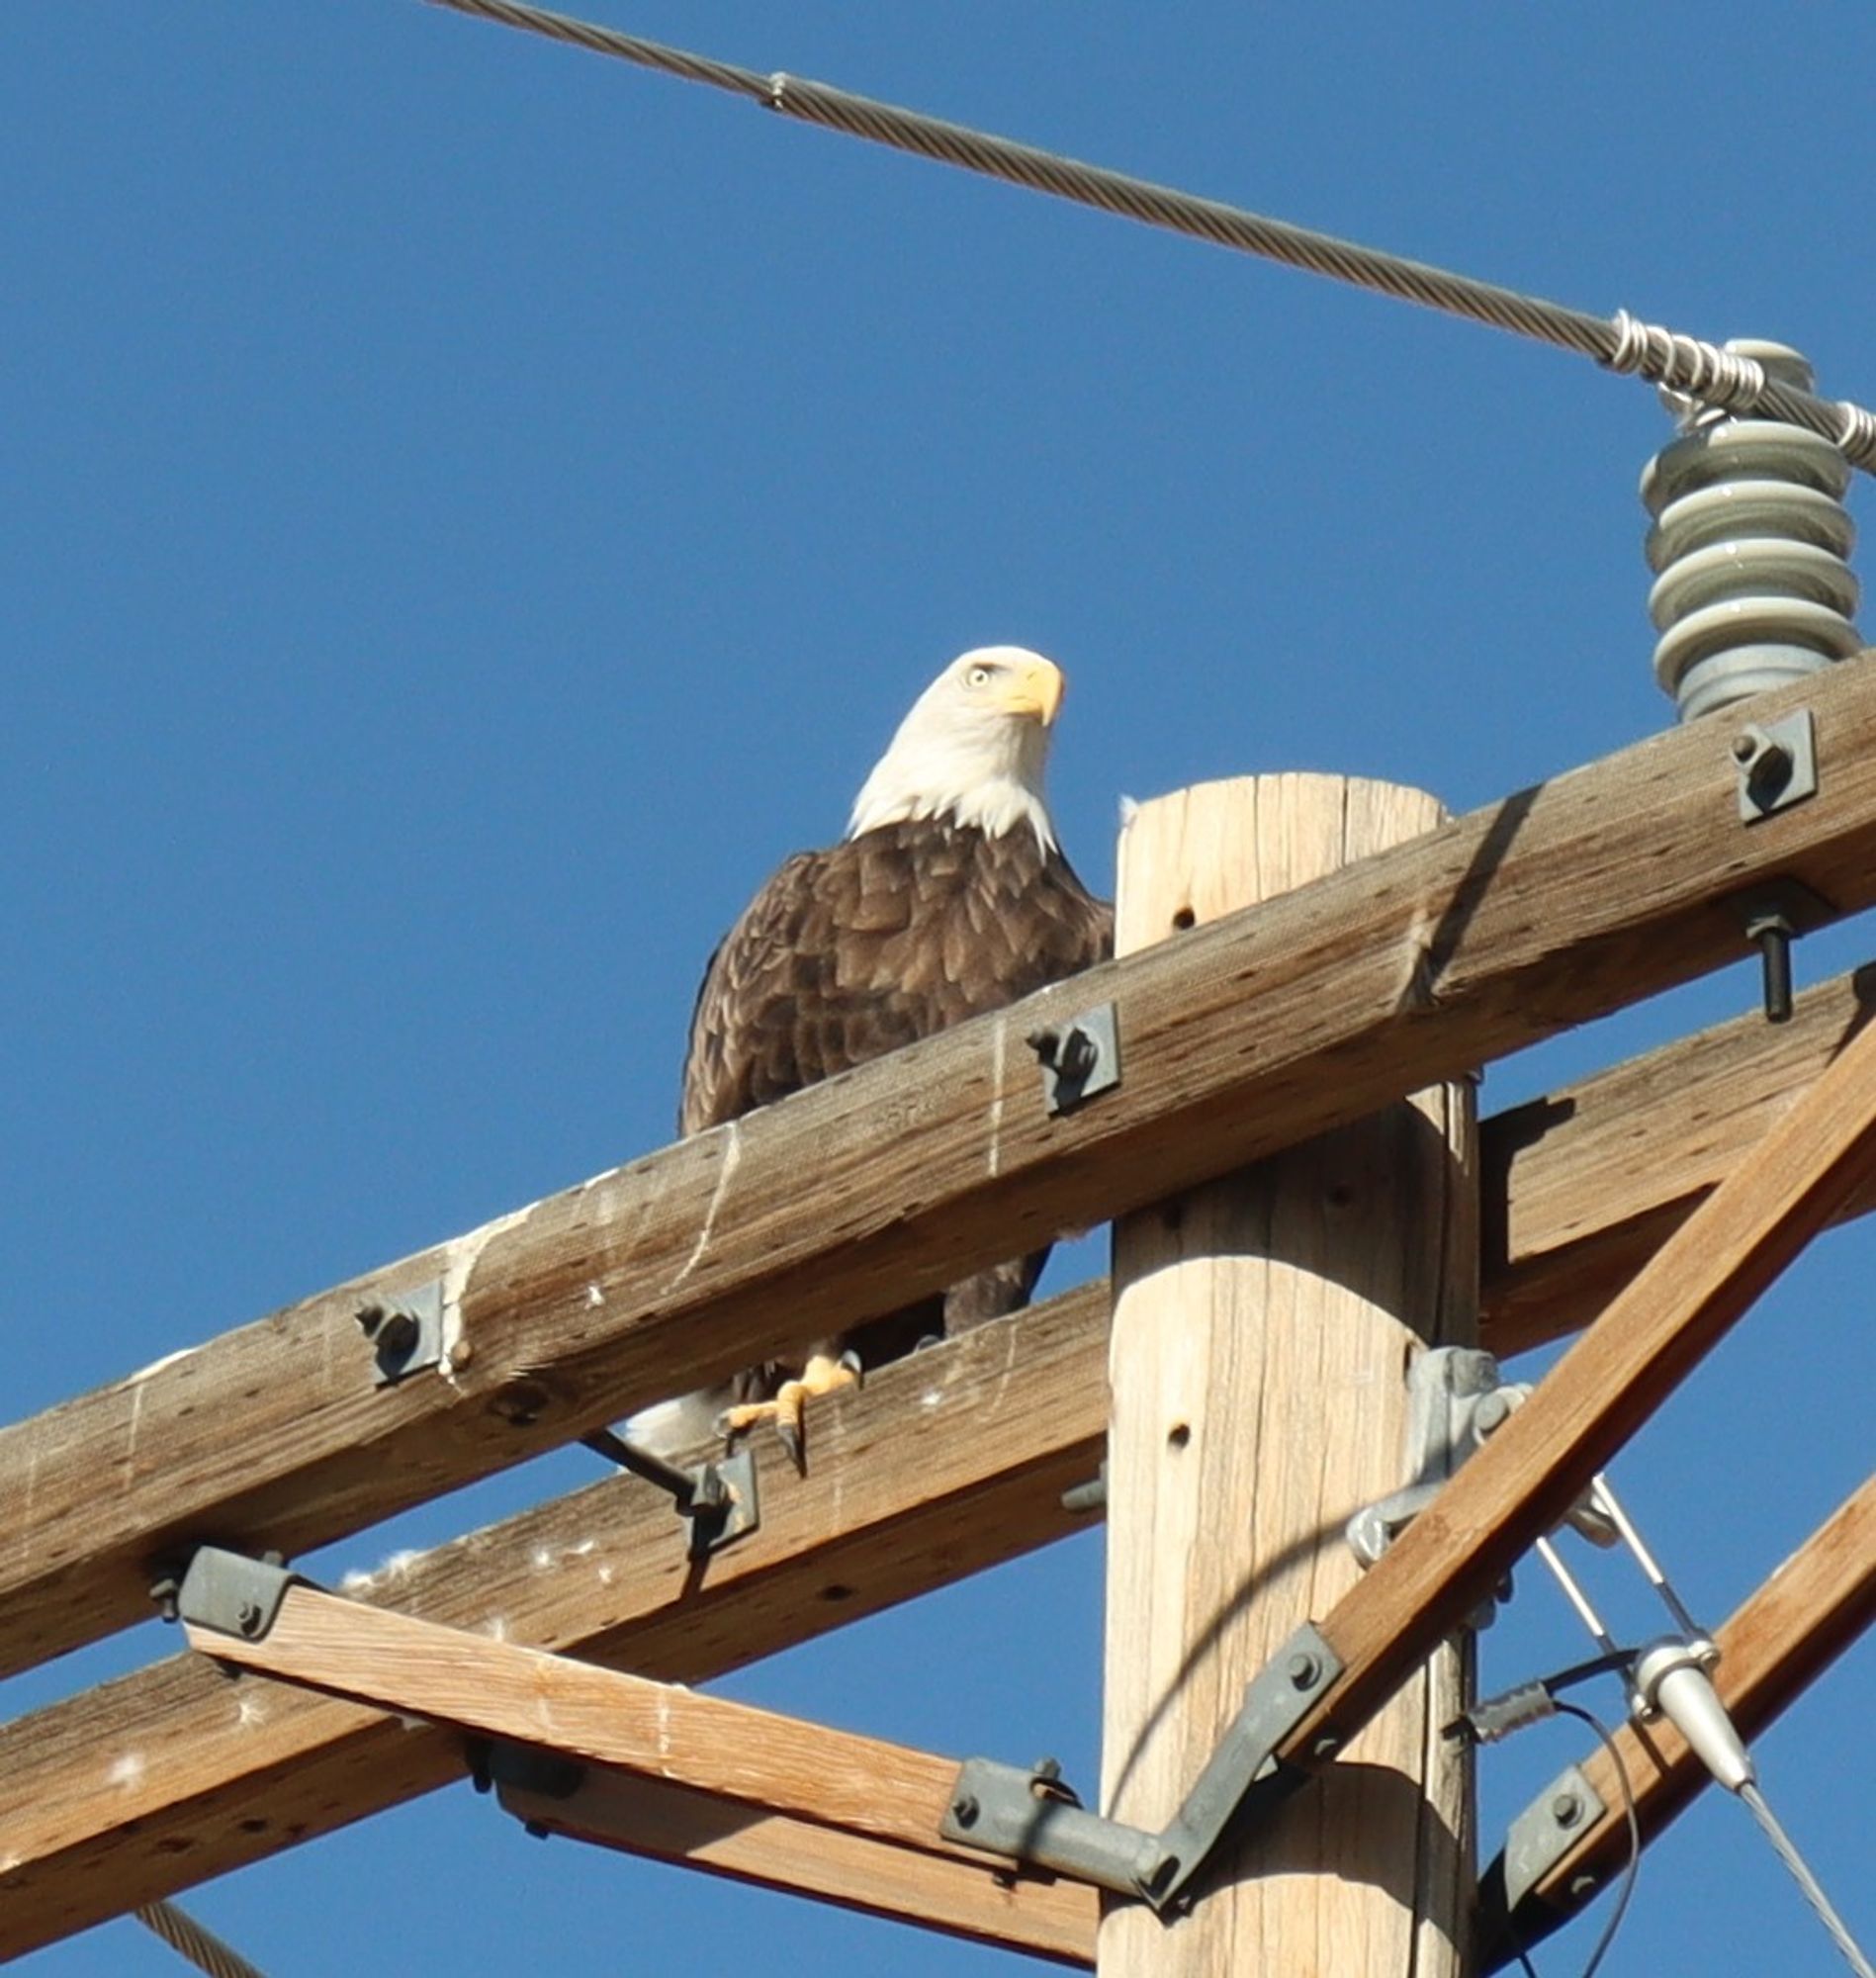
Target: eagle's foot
(823, 1375)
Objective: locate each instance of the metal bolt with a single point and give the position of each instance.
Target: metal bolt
(1325, 1747)
(249, 1617)
(166, 1593)
(1303, 1670)
(964, 1810)
(1745, 746)
(1566, 1809)
(1583, 1888)
(459, 1355)
(1049, 1770)
(1080, 1053)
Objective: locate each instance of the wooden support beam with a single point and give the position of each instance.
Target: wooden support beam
(692, 1831)
(881, 1805)
(1654, 1333)
(1777, 1644)
(1262, 1328)
(1559, 904)
(1693, 1112)
(1583, 1186)
(944, 1465)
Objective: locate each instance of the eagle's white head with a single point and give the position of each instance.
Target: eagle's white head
(973, 748)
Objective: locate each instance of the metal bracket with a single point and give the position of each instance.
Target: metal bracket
(1078, 1060)
(1455, 1398)
(406, 1332)
(718, 1501)
(1031, 1815)
(233, 1594)
(1777, 763)
(1536, 1840)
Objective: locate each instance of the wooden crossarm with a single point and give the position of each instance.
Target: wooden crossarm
(1583, 1184)
(1521, 1482)
(1559, 904)
(882, 1803)
(942, 1465)
(1778, 1642)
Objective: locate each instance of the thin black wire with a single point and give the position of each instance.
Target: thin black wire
(1629, 1874)
(1621, 343)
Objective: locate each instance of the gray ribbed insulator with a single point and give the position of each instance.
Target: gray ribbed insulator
(1749, 543)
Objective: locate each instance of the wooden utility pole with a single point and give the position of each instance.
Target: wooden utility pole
(1261, 1329)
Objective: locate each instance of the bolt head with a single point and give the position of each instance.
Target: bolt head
(1566, 1809)
(249, 1617)
(1302, 1668)
(1745, 747)
(964, 1810)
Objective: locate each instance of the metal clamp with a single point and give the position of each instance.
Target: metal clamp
(1455, 1398)
(1078, 1060)
(406, 1332)
(232, 1593)
(718, 1501)
(1031, 1815)
(1536, 1840)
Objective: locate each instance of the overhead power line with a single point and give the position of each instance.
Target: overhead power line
(1623, 343)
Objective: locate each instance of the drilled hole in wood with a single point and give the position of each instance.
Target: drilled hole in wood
(837, 1592)
(1183, 919)
(1179, 1435)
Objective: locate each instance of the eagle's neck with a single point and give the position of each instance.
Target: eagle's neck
(991, 785)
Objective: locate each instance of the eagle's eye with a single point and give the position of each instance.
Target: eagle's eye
(978, 677)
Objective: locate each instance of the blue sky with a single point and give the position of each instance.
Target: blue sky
(472, 507)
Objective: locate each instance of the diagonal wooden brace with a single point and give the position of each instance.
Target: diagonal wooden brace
(1647, 1341)
(721, 1785)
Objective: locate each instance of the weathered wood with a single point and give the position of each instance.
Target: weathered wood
(224, 1798)
(744, 1762)
(1048, 1919)
(944, 1464)
(1261, 1329)
(1778, 1643)
(1654, 1333)
(1557, 905)
(1583, 1186)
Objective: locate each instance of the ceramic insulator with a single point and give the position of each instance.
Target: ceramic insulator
(1750, 545)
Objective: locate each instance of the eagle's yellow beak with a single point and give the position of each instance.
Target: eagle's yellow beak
(1035, 689)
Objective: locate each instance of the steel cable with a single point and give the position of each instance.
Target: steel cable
(1621, 343)
(191, 1940)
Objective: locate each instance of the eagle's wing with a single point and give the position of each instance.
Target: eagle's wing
(849, 953)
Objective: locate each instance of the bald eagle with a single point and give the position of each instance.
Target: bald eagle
(948, 896)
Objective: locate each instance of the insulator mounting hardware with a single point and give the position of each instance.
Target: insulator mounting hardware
(1772, 917)
(406, 1332)
(1777, 763)
(1029, 1815)
(1078, 1058)
(717, 1500)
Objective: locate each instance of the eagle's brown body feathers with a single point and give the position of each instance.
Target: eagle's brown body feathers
(848, 953)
